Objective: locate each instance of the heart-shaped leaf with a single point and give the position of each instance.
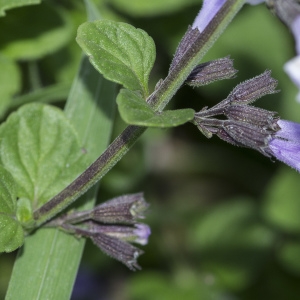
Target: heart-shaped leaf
(41, 150)
(121, 52)
(11, 232)
(134, 110)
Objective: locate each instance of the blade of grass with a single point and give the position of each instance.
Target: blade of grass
(47, 265)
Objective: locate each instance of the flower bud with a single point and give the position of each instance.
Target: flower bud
(118, 249)
(248, 135)
(138, 234)
(252, 89)
(212, 71)
(188, 39)
(254, 115)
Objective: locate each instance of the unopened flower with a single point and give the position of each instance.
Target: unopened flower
(115, 241)
(252, 127)
(106, 226)
(123, 209)
(211, 71)
(118, 249)
(138, 234)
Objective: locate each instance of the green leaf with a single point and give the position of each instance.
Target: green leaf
(225, 236)
(11, 232)
(43, 29)
(90, 108)
(134, 110)
(154, 7)
(49, 94)
(10, 82)
(43, 265)
(7, 193)
(288, 255)
(41, 150)
(121, 52)
(9, 4)
(281, 205)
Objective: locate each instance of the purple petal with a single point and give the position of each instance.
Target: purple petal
(289, 131)
(292, 68)
(287, 152)
(286, 144)
(142, 232)
(295, 27)
(208, 11)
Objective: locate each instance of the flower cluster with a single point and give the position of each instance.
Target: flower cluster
(250, 126)
(112, 226)
(244, 124)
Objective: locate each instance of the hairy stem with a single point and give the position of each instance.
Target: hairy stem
(158, 100)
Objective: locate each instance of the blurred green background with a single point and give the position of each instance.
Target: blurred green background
(225, 221)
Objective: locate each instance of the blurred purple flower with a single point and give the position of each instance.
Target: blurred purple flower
(285, 146)
(142, 233)
(289, 12)
(292, 67)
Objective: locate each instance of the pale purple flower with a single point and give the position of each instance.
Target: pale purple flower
(209, 9)
(142, 233)
(207, 12)
(292, 67)
(285, 146)
(295, 27)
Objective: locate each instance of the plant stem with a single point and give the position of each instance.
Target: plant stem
(115, 151)
(158, 100)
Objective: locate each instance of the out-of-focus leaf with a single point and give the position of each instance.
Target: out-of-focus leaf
(281, 205)
(153, 285)
(121, 52)
(11, 232)
(135, 110)
(10, 82)
(154, 7)
(9, 4)
(233, 245)
(49, 94)
(34, 31)
(289, 256)
(222, 223)
(41, 150)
